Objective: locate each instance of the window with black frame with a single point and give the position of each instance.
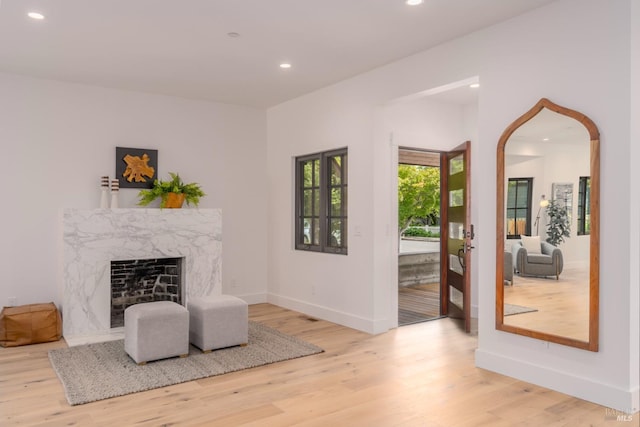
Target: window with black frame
(584, 199)
(321, 202)
(519, 207)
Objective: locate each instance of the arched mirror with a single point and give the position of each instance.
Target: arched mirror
(547, 270)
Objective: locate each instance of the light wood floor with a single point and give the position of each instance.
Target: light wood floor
(563, 305)
(417, 375)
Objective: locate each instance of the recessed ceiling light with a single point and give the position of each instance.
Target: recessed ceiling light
(545, 139)
(233, 34)
(35, 15)
(414, 2)
(285, 65)
(474, 85)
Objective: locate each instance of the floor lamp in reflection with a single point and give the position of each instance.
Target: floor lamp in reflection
(543, 204)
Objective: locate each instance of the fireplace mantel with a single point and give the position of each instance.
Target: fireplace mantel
(93, 238)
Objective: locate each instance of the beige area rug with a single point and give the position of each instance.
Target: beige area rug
(511, 309)
(100, 371)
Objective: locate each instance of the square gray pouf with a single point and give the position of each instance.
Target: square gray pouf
(156, 330)
(218, 322)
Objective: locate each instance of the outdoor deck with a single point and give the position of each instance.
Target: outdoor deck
(418, 303)
(421, 302)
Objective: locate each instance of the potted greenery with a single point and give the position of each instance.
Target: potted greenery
(559, 226)
(172, 193)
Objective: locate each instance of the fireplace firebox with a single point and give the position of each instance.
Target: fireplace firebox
(144, 280)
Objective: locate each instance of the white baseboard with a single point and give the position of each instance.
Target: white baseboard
(365, 325)
(583, 388)
(259, 298)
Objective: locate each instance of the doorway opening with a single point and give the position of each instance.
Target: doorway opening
(432, 129)
(419, 267)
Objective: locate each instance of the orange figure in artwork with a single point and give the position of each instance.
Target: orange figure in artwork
(137, 168)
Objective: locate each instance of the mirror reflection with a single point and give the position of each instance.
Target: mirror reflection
(546, 288)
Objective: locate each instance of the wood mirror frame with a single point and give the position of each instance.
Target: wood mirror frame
(594, 245)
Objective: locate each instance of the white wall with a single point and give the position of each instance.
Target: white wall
(634, 201)
(570, 46)
(425, 124)
(302, 280)
(580, 63)
(57, 139)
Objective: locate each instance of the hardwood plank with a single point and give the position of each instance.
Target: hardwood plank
(417, 375)
(418, 303)
(563, 305)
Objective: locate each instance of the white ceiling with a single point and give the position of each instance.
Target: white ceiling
(182, 47)
(546, 132)
(550, 126)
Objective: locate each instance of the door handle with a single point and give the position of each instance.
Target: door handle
(466, 246)
(461, 253)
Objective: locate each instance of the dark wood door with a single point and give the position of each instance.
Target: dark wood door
(457, 234)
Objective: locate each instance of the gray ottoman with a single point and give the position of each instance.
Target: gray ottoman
(508, 267)
(218, 322)
(156, 330)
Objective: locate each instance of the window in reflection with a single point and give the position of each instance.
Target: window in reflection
(584, 214)
(519, 207)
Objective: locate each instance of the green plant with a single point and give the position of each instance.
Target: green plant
(418, 195)
(419, 232)
(416, 232)
(161, 189)
(559, 226)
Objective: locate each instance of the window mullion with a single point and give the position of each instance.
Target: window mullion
(324, 197)
(317, 199)
(299, 202)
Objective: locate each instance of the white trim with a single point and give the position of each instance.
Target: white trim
(257, 298)
(583, 388)
(356, 322)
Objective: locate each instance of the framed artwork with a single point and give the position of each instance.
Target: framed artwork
(136, 167)
(562, 193)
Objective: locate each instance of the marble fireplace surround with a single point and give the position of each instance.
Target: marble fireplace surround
(93, 238)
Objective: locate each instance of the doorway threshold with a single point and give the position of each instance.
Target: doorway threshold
(405, 319)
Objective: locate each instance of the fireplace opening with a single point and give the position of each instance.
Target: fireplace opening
(144, 280)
